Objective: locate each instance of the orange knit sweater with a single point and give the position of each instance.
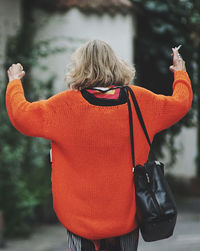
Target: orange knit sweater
(92, 180)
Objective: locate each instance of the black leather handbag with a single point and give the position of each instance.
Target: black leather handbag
(156, 208)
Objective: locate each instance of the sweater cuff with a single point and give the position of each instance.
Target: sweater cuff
(15, 83)
(181, 77)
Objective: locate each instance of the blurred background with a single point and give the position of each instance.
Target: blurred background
(41, 35)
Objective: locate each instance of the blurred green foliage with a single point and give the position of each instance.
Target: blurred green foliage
(25, 187)
(25, 172)
(162, 25)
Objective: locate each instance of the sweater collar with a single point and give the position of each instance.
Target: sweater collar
(111, 92)
(105, 96)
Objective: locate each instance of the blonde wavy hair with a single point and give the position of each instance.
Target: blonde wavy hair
(95, 64)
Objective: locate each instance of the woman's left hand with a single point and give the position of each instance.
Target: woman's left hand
(15, 72)
(178, 62)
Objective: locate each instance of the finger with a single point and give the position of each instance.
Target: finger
(22, 74)
(18, 64)
(172, 68)
(12, 66)
(175, 54)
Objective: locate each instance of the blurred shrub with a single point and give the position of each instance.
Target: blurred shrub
(25, 183)
(162, 25)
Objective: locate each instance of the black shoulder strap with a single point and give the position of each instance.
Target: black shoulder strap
(139, 114)
(131, 131)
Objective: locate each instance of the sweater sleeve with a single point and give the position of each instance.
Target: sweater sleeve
(170, 109)
(28, 118)
(159, 111)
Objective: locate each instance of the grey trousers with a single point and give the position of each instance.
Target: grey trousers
(127, 242)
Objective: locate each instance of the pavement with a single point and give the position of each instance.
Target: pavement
(44, 238)
(186, 235)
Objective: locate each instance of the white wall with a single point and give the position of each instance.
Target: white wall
(10, 19)
(186, 142)
(117, 30)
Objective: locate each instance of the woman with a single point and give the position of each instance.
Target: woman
(92, 180)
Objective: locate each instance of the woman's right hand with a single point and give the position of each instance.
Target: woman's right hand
(15, 72)
(178, 62)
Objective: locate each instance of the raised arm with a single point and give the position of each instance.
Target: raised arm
(28, 118)
(161, 112)
(170, 109)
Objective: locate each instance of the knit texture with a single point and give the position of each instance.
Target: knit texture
(92, 180)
